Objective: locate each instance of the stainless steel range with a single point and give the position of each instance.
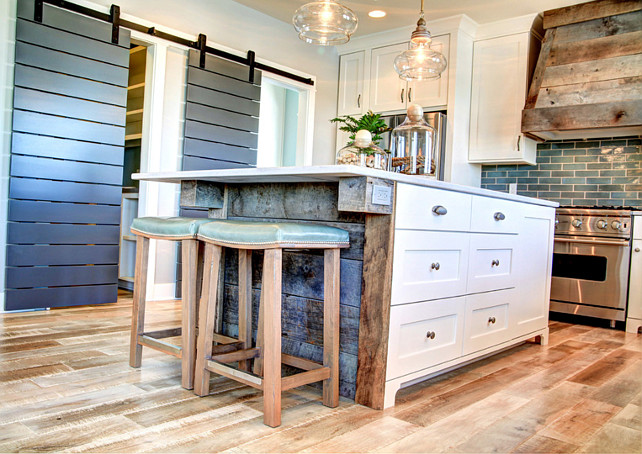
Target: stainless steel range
(591, 262)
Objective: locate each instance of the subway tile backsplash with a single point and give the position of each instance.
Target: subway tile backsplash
(587, 172)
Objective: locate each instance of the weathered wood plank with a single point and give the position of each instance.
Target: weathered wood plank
(593, 71)
(624, 89)
(588, 11)
(540, 67)
(603, 115)
(603, 370)
(606, 26)
(596, 49)
(366, 195)
(375, 310)
(299, 201)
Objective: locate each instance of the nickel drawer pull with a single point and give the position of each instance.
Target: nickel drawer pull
(494, 263)
(499, 216)
(439, 210)
(491, 320)
(430, 335)
(435, 266)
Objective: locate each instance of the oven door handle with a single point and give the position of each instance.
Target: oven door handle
(594, 242)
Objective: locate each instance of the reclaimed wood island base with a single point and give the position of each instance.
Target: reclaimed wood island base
(437, 275)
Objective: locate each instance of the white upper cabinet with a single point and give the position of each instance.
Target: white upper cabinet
(499, 88)
(390, 93)
(351, 84)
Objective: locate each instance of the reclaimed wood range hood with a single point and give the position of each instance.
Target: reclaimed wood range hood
(588, 78)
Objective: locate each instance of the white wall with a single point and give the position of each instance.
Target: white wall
(7, 54)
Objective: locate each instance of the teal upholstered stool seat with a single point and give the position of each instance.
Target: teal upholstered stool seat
(265, 373)
(266, 235)
(174, 228)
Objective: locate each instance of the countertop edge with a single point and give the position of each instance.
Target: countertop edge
(327, 173)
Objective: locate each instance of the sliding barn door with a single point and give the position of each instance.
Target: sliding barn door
(66, 160)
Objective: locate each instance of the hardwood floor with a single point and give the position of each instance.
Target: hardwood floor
(65, 385)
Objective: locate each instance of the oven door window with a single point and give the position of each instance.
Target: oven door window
(575, 266)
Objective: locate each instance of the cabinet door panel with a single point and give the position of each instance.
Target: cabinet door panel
(351, 96)
(491, 264)
(635, 282)
(499, 86)
(387, 90)
(423, 335)
(495, 215)
(533, 263)
(487, 320)
(432, 93)
(428, 265)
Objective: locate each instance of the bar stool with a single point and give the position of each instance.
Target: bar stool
(246, 236)
(174, 229)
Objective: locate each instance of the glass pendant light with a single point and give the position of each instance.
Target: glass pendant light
(420, 62)
(325, 23)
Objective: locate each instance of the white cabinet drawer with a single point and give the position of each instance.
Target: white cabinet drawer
(418, 208)
(487, 320)
(491, 265)
(424, 334)
(428, 265)
(495, 215)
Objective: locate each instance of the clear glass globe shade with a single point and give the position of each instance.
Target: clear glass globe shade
(325, 23)
(420, 62)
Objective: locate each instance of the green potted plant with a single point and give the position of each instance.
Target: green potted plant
(369, 121)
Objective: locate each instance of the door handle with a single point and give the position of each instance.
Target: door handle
(410, 94)
(519, 138)
(359, 101)
(402, 92)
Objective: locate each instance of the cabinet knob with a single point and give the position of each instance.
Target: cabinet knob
(494, 263)
(491, 320)
(637, 249)
(435, 266)
(403, 90)
(430, 335)
(439, 210)
(499, 216)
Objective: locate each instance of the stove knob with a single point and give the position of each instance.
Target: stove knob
(616, 225)
(577, 223)
(602, 224)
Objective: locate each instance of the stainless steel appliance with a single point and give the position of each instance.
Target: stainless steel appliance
(435, 119)
(591, 262)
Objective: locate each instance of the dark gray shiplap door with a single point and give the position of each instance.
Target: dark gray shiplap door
(66, 160)
(221, 119)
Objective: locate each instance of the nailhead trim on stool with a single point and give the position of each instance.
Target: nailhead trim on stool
(173, 229)
(272, 238)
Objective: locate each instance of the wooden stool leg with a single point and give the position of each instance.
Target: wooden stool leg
(258, 362)
(207, 318)
(138, 307)
(331, 296)
(189, 297)
(245, 302)
(272, 337)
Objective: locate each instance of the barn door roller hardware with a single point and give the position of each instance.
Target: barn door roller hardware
(200, 44)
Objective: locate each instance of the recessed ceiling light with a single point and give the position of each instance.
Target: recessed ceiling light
(377, 14)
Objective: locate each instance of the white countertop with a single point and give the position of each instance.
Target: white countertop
(330, 173)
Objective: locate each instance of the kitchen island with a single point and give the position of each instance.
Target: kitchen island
(437, 274)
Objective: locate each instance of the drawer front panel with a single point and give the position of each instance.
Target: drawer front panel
(495, 215)
(428, 265)
(487, 320)
(491, 262)
(424, 334)
(415, 205)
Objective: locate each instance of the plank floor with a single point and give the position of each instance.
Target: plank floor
(65, 385)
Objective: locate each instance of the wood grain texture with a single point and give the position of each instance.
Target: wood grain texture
(588, 11)
(626, 89)
(374, 317)
(540, 67)
(597, 28)
(596, 49)
(97, 403)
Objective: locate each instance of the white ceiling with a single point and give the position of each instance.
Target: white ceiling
(403, 13)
